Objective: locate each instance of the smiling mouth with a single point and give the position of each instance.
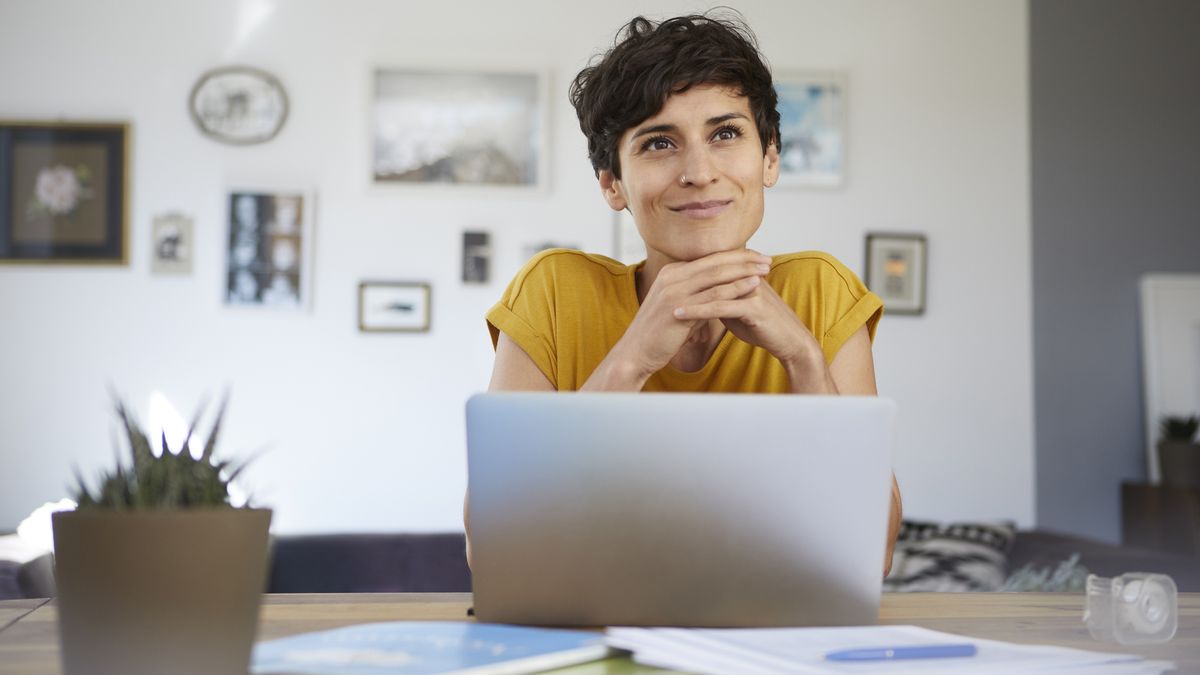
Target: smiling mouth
(706, 209)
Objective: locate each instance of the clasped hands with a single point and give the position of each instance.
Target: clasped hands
(730, 286)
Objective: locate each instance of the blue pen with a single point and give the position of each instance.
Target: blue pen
(911, 652)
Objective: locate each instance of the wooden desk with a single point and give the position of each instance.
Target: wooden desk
(29, 638)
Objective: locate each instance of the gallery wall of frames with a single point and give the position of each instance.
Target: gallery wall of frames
(320, 225)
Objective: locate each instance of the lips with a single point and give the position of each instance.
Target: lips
(705, 209)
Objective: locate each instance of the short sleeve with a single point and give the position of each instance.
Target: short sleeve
(831, 300)
(525, 313)
(850, 304)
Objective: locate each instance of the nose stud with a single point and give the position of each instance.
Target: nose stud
(683, 179)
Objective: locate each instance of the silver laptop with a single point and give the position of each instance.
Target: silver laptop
(678, 509)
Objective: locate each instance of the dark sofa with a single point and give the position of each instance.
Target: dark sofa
(431, 563)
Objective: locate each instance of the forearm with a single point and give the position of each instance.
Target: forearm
(617, 373)
(896, 513)
(810, 375)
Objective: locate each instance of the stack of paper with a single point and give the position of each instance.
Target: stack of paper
(804, 650)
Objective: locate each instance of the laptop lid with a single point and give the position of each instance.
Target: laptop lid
(678, 509)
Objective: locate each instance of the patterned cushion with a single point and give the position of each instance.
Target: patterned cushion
(955, 557)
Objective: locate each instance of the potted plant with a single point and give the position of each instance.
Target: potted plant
(156, 571)
(1179, 453)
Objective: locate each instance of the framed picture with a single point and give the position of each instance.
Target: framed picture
(462, 128)
(896, 271)
(171, 252)
(238, 105)
(64, 197)
(812, 126)
(269, 248)
(627, 241)
(476, 257)
(394, 306)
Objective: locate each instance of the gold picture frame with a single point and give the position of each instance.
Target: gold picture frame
(64, 192)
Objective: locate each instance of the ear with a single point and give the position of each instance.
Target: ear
(613, 190)
(771, 165)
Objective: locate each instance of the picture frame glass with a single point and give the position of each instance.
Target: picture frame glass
(812, 111)
(268, 248)
(64, 197)
(394, 306)
(470, 128)
(896, 272)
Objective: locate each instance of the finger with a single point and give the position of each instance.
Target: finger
(729, 257)
(738, 308)
(691, 278)
(734, 289)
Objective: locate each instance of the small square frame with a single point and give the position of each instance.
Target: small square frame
(897, 271)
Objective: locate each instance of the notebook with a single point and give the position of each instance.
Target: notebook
(427, 647)
(678, 509)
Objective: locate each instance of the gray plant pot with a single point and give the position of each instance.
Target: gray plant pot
(1179, 463)
(159, 591)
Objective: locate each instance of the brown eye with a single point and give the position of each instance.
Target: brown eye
(727, 133)
(657, 143)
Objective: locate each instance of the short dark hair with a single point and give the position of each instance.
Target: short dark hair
(648, 62)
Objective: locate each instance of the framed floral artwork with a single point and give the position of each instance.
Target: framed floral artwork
(64, 193)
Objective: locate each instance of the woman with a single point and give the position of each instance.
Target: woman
(683, 132)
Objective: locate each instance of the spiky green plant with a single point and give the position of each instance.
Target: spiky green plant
(173, 480)
(1180, 428)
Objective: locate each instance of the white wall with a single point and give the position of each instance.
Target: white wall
(366, 431)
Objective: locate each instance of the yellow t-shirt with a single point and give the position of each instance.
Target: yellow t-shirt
(567, 309)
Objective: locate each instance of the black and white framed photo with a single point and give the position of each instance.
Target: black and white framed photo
(812, 124)
(459, 128)
(64, 192)
(896, 271)
(269, 248)
(238, 105)
(628, 246)
(172, 244)
(476, 257)
(394, 306)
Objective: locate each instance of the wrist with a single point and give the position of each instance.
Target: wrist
(618, 373)
(806, 372)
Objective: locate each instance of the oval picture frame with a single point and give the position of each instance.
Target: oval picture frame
(238, 105)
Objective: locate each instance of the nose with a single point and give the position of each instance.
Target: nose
(698, 166)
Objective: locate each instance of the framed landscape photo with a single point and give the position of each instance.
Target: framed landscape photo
(268, 248)
(394, 306)
(896, 271)
(459, 128)
(64, 193)
(812, 126)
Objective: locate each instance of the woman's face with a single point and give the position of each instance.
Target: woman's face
(693, 175)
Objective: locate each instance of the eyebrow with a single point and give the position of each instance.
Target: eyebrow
(660, 128)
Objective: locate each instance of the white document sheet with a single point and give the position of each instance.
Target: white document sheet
(770, 651)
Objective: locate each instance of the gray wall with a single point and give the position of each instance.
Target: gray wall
(1116, 193)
